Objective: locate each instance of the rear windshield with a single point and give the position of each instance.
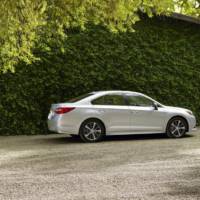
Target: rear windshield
(79, 98)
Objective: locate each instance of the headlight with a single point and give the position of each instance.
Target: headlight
(189, 112)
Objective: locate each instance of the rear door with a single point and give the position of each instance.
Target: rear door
(115, 112)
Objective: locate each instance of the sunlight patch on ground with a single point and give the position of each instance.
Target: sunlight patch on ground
(6, 156)
(194, 152)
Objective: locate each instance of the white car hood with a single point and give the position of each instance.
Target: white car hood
(176, 108)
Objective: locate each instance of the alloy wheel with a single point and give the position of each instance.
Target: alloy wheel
(177, 128)
(92, 131)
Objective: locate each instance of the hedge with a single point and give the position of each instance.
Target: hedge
(161, 59)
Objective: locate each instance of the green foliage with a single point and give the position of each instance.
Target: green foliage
(188, 7)
(160, 59)
(27, 25)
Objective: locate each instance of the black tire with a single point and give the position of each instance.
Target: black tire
(92, 130)
(177, 127)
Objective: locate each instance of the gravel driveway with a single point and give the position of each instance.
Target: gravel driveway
(57, 167)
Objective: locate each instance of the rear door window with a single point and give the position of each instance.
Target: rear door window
(115, 100)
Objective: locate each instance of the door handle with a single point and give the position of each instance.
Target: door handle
(134, 111)
(101, 111)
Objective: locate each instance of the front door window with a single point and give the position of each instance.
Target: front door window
(137, 100)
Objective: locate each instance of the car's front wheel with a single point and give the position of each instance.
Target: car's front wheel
(176, 127)
(92, 130)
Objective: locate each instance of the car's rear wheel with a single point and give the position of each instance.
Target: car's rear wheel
(92, 130)
(176, 127)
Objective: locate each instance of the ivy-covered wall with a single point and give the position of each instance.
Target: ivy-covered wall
(161, 59)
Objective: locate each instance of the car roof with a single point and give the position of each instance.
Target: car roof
(115, 91)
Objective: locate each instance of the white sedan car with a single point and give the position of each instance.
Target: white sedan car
(96, 114)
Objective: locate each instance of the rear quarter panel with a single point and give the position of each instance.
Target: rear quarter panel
(76, 117)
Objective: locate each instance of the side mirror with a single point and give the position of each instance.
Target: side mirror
(155, 105)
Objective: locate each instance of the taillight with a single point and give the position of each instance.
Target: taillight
(62, 110)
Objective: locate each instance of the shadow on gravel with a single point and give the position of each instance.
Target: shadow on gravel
(73, 140)
(61, 140)
(190, 186)
(136, 137)
(185, 191)
(154, 136)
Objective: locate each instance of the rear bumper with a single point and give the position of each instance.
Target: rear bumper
(55, 125)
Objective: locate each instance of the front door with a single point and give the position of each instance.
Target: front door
(144, 117)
